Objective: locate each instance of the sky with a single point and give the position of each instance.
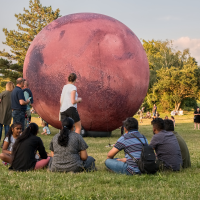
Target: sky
(177, 20)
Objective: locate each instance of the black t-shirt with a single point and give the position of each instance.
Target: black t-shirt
(24, 159)
(16, 95)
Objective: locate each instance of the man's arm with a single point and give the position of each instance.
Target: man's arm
(22, 102)
(112, 153)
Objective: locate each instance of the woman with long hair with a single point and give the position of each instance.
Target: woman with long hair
(25, 149)
(7, 146)
(68, 102)
(5, 108)
(68, 151)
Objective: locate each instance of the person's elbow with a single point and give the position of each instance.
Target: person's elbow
(84, 158)
(73, 102)
(22, 102)
(83, 155)
(109, 156)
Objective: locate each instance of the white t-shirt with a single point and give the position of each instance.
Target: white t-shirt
(12, 141)
(66, 97)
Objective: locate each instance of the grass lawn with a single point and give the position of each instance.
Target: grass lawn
(102, 184)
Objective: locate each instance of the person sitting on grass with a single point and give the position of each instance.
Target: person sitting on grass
(46, 130)
(25, 148)
(166, 147)
(68, 151)
(11, 136)
(169, 126)
(166, 117)
(130, 144)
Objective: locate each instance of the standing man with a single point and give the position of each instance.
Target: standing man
(18, 103)
(27, 94)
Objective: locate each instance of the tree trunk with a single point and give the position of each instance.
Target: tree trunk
(177, 105)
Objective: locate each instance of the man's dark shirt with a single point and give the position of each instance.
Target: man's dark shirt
(16, 95)
(167, 149)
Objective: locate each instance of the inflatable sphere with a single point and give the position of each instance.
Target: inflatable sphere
(109, 61)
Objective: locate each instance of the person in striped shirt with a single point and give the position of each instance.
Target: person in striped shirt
(130, 144)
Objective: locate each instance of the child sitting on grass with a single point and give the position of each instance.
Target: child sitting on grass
(13, 133)
(24, 149)
(46, 130)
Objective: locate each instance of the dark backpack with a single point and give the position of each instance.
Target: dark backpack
(147, 162)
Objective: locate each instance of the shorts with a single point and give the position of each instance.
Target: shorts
(70, 112)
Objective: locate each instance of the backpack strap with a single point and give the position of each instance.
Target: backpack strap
(139, 139)
(134, 159)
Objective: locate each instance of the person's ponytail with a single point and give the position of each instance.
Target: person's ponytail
(64, 137)
(67, 125)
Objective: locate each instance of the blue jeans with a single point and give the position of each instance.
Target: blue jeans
(117, 166)
(19, 116)
(6, 128)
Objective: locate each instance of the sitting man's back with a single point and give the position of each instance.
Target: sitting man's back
(169, 126)
(166, 146)
(129, 144)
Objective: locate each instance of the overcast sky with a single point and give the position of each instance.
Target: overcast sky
(177, 20)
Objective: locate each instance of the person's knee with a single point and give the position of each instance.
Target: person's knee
(1, 156)
(108, 162)
(90, 159)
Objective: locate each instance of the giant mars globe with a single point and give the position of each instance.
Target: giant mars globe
(109, 61)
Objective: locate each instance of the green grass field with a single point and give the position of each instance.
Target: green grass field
(103, 184)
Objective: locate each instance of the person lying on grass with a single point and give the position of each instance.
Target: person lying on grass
(25, 148)
(166, 147)
(169, 126)
(11, 136)
(130, 144)
(68, 150)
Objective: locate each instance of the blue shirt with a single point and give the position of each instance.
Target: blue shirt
(26, 96)
(133, 146)
(47, 130)
(16, 95)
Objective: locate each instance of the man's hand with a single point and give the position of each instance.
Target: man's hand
(122, 159)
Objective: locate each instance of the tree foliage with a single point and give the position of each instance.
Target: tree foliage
(162, 54)
(30, 23)
(9, 71)
(174, 85)
(174, 75)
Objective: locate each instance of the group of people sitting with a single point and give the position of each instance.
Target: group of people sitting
(25, 151)
(177, 112)
(170, 148)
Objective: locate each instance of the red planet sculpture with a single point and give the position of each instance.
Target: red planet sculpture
(110, 63)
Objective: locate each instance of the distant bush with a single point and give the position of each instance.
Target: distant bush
(189, 104)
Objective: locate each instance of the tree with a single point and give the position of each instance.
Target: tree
(30, 23)
(162, 54)
(174, 85)
(9, 71)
